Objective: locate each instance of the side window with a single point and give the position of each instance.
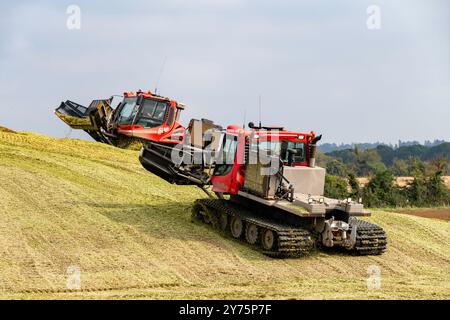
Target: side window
(128, 113)
(160, 112)
(148, 108)
(170, 119)
(229, 150)
(298, 146)
(227, 156)
(133, 113)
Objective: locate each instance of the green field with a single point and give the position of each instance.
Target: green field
(75, 203)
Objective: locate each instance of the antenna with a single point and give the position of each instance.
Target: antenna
(245, 118)
(160, 74)
(260, 111)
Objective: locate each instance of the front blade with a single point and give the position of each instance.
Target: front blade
(75, 116)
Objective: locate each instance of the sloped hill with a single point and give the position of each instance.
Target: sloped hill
(74, 205)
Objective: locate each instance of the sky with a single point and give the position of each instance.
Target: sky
(317, 65)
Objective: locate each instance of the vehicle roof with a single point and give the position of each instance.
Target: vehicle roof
(280, 134)
(149, 94)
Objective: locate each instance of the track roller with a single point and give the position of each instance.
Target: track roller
(262, 233)
(236, 227)
(251, 233)
(268, 240)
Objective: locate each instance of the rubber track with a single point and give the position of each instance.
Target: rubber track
(370, 238)
(291, 241)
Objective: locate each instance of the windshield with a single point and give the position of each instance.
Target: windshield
(128, 111)
(280, 148)
(152, 114)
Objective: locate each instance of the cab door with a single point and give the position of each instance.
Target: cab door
(126, 116)
(228, 175)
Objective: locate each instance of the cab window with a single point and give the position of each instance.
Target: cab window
(227, 156)
(299, 147)
(152, 114)
(128, 111)
(170, 117)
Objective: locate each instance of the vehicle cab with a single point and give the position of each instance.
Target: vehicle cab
(149, 116)
(242, 147)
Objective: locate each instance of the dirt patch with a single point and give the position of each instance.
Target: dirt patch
(443, 214)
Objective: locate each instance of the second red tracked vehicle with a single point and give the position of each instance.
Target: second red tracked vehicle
(269, 192)
(139, 117)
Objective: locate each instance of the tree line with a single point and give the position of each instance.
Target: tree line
(381, 165)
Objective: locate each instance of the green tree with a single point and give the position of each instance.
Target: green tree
(418, 191)
(337, 168)
(428, 188)
(368, 163)
(335, 187)
(438, 194)
(382, 192)
(400, 168)
(355, 190)
(416, 167)
(322, 159)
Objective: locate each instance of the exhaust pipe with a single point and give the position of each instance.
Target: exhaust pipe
(313, 150)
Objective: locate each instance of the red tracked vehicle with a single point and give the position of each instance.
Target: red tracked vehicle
(269, 190)
(139, 117)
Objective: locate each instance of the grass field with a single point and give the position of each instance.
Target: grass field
(76, 204)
